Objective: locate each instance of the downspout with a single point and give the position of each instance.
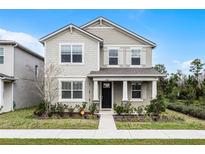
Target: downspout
(13, 101)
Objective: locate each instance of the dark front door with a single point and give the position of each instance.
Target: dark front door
(106, 95)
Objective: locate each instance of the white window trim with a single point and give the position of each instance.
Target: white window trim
(136, 48)
(136, 99)
(60, 99)
(71, 63)
(3, 55)
(113, 48)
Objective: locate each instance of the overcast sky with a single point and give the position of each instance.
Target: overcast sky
(179, 34)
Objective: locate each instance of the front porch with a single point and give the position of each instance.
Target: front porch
(110, 90)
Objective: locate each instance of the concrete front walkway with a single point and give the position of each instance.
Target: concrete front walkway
(106, 121)
(103, 134)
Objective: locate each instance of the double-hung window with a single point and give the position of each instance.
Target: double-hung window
(1, 55)
(113, 57)
(71, 53)
(77, 53)
(71, 89)
(135, 56)
(136, 90)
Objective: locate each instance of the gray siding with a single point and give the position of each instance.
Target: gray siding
(146, 93)
(7, 67)
(24, 90)
(90, 53)
(114, 36)
(74, 70)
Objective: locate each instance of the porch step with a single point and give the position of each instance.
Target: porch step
(107, 121)
(106, 112)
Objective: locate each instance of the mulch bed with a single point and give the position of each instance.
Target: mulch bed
(68, 116)
(145, 118)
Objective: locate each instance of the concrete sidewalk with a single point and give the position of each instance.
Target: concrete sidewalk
(103, 134)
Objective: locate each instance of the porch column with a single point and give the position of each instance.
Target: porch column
(95, 91)
(125, 96)
(1, 92)
(154, 89)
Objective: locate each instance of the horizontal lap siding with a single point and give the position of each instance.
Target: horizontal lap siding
(7, 67)
(113, 36)
(146, 93)
(72, 70)
(25, 93)
(90, 53)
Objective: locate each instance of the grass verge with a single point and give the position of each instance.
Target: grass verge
(188, 123)
(102, 142)
(23, 119)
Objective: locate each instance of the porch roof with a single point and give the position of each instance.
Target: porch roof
(6, 77)
(142, 72)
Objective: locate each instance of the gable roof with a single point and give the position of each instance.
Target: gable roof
(11, 42)
(120, 27)
(70, 26)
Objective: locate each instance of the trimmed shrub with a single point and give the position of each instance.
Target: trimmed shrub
(92, 108)
(195, 111)
(119, 109)
(156, 106)
(41, 109)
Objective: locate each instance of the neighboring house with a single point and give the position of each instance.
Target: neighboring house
(101, 62)
(18, 68)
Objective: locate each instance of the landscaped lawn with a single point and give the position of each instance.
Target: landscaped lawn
(188, 123)
(102, 142)
(22, 119)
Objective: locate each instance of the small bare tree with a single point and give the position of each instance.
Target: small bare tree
(46, 84)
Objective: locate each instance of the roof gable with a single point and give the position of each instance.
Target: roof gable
(25, 49)
(101, 19)
(70, 26)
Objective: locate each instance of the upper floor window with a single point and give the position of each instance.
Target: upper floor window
(135, 57)
(1, 55)
(136, 90)
(71, 89)
(113, 57)
(71, 53)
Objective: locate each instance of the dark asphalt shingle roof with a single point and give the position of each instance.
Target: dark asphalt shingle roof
(126, 71)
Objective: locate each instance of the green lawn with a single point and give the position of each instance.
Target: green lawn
(188, 123)
(102, 142)
(22, 119)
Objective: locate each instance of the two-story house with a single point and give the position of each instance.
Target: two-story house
(101, 62)
(19, 67)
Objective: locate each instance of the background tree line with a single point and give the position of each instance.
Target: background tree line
(187, 87)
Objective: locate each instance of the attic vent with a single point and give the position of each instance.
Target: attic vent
(100, 21)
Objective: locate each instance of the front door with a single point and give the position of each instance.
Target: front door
(106, 95)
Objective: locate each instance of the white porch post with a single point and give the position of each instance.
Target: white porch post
(154, 89)
(95, 91)
(125, 96)
(1, 92)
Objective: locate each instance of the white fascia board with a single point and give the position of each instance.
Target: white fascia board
(62, 29)
(125, 75)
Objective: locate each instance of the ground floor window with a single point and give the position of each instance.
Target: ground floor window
(71, 89)
(136, 90)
